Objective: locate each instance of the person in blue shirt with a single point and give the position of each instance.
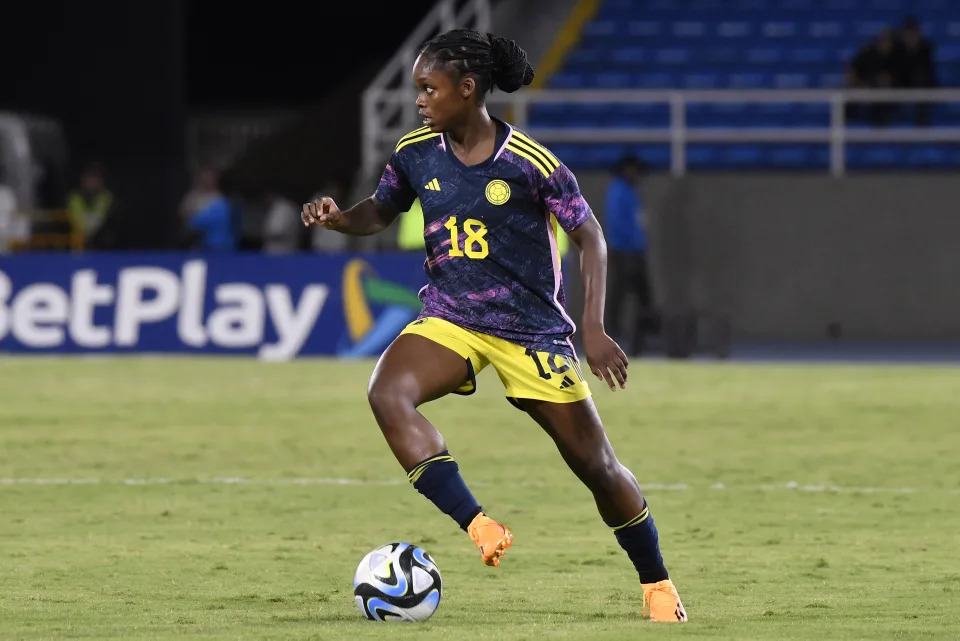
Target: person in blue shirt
(215, 224)
(627, 253)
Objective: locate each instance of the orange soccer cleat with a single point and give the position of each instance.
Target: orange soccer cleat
(492, 538)
(662, 602)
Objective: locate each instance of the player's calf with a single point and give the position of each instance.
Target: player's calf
(438, 478)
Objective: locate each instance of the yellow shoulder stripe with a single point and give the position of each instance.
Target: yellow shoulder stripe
(415, 132)
(537, 162)
(420, 138)
(537, 154)
(533, 143)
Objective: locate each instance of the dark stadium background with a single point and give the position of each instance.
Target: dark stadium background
(123, 76)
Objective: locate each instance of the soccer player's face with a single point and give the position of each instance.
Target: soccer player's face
(439, 100)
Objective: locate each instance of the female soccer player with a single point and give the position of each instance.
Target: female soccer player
(489, 195)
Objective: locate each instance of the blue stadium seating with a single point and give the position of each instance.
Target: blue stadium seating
(715, 44)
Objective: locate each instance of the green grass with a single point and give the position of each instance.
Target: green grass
(874, 554)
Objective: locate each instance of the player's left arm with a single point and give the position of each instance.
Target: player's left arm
(562, 197)
(605, 358)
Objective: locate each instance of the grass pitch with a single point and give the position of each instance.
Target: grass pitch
(231, 499)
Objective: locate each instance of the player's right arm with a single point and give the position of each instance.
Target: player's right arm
(367, 217)
(394, 195)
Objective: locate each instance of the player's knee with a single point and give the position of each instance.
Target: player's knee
(389, 396)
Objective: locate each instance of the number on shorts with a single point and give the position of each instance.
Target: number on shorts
(558, 364)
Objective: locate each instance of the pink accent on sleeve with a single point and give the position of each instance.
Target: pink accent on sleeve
(561, 196)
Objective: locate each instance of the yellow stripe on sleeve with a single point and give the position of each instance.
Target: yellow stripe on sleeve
(415, 132)
(420, 138)
(538, 163)
(523, 138)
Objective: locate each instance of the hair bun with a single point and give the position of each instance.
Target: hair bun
(510, 67)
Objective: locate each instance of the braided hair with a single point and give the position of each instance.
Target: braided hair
(494, 61)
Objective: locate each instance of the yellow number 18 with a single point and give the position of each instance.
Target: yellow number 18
(476, 243)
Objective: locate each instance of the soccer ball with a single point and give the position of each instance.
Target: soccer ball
(397, 582)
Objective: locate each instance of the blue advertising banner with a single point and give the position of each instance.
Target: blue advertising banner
(271, 306)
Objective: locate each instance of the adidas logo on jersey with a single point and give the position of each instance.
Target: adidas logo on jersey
(567, 382)
(433, 185)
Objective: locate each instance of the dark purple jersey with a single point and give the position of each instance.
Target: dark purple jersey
(492, 261)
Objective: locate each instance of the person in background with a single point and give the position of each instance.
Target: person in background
(916, 65)
(214, 225)
(203, 191)
(90, 208)
(875, 66)
(281, 224)
(14, 226)
(410, 229)
(627, 254)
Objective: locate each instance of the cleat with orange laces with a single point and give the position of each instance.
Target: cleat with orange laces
(662, 602)
(492, 538)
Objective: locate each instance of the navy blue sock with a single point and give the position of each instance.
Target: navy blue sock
(638, 537)
(438, 478)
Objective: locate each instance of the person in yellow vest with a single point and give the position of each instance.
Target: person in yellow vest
(563, 241)
(89, 207)
(410, 229)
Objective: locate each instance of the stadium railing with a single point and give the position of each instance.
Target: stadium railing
(381, 135)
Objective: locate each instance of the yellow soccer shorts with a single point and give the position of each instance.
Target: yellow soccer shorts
(525, 373)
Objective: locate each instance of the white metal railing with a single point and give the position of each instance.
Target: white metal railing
(678, 134)
(382, 117)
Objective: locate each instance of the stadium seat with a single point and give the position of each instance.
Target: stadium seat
(763, 56)
(778, 30)
(791, 81)
(689, 29)
(927, 155)
(702, 81)
(644, 28)
(739, 29)
(826, 30)
(659, 80)
(603, 28)
(808, 55)
(567, 80)
(586, 56)
(740, 155)
(611, 80)
(630, 55)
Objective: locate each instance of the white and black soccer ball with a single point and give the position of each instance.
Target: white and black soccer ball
(397, 582)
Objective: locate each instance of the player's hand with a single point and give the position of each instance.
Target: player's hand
(323, 212)
(606, 360)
